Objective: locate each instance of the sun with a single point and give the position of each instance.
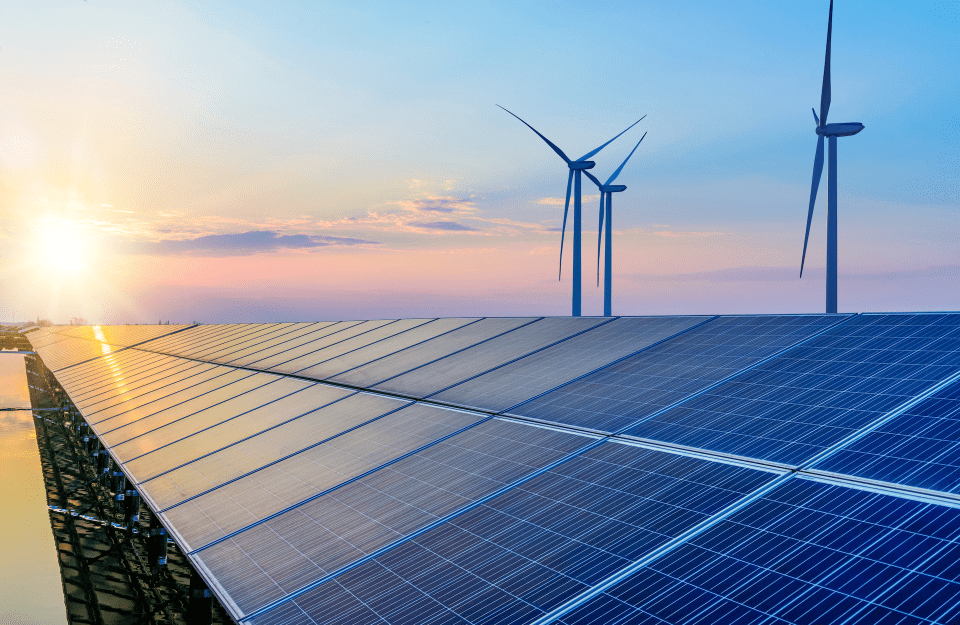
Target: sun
(62, 249)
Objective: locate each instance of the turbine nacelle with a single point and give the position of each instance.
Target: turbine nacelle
(612, 188)
(840, 130)
(581, 165)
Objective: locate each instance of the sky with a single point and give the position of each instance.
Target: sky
(240, 161)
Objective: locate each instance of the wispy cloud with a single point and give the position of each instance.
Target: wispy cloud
(240, 244)
(449, 226)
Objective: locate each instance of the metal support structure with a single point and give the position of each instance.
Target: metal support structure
(577, 264)
(608, 260)
(199, 602)
(832, 226)
(157, 546)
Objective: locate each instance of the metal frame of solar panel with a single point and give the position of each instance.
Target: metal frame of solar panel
(648, 499)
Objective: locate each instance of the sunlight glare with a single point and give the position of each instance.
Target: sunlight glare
(62, 249)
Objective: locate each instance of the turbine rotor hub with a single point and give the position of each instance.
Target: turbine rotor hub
(582, 165)
(613, 188)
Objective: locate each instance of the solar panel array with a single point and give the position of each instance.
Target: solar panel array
(748, 469)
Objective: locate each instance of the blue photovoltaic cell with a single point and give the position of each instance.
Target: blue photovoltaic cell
(619, 395)
(546, 369)
(267, 561)
(796, 405)
(805, 553)
(529, 550)
(919, 448)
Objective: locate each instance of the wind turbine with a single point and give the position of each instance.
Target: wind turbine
(575, 166)
(606, 193)
(831, 131)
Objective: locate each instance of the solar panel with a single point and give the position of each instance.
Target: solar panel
(196, 337)
(547, 369)
(789, 409)
(292, 330)
(272, 445)
(207, 418)
(383, 347)
(334, 530)
(805, 553)
(520, 555)
(126, 365)
(920, 448)
(292, 353)
(303, 365)
(241, 334)
(216, 397)
(129, 382)
(119, 416)
(269, 349)
(271, 489)
(617, 396)
(393, 365)
(142, 464)
(263, 343)
(456, 368)
(99, 408)
(190, 336)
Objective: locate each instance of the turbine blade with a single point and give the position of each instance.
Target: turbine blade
(825, 92)
(563, 230)
(589, 154)
(814, 185)
(619, 169)
(600, 235)
(550, 143)
(815, 118)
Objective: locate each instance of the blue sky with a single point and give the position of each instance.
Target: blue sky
(161, 140)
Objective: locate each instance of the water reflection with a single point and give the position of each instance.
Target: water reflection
(31, 592)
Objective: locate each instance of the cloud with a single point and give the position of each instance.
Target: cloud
(241, 244)
(450, 226)
(559, 201)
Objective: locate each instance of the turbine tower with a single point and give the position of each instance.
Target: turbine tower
(575, 166)
(606, 194)
(830, 131)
